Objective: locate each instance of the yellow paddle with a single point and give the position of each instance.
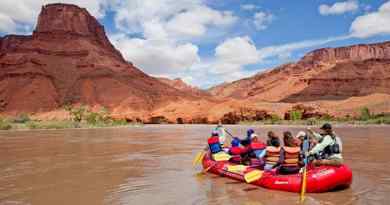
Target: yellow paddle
(253, 176)
(304, 175)
(221, 156)
(237, 168)
(303, 190)
(198, 158)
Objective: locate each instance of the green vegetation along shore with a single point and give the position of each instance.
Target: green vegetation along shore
(80, 117)
(84, 117)
(364, 118)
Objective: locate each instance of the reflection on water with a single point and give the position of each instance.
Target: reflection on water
(153, 165)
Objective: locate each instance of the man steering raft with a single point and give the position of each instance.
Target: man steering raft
(328, 149)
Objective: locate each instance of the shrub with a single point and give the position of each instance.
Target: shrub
(386, 120)
(77, 113)
(51, 125)
(296, 115)
(98, 118)
(327, 117)
(119, 122)
(365, 114)
(32, 125)
(22, 118)
(275, 118)
(4, 124)
(92, 118)
(312, 121)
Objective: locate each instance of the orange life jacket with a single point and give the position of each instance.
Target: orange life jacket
(273, 155)
(291, 156)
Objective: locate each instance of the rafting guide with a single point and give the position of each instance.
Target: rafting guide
(309, 162)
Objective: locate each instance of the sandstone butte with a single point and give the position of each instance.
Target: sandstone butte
(69, 60)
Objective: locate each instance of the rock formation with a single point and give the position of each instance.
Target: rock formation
(69, 60)
(324, 74)
(181, 85)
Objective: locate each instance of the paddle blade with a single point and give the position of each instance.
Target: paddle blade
(198, 158)
(236, 168)
(221, 156)
(253, 176)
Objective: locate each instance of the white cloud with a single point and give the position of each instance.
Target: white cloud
(372, 24)
(167, 28)
(22, 13)
(183, 19)
(157, 57)
(7, 24)
(193, 23)
(227, 64)
(238, 50)
(248, 7)
(338, 8)
(262, 19)
(286, 49)
(231, 56)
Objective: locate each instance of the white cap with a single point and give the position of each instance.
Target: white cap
(301, 134)
(253, 135)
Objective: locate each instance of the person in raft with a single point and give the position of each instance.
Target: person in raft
(214, 144)
(273, 139)
(328, 149)
(290, 155)
(221, 133)
(245, 142)
(272, 156)
(237, 151)
(301, 137)
(256, 151)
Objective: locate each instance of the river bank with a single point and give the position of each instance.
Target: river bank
(8, 125)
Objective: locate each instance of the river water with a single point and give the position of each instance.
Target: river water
(153, 165)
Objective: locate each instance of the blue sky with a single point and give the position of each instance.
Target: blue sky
(207, 42)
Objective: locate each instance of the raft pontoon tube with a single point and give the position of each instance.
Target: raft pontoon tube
(319, 179)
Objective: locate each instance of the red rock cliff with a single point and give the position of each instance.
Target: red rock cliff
(324, 74)
(67, 21)
(350, 53)
(69, 60)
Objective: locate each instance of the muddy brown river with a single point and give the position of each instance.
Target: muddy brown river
(153, 165)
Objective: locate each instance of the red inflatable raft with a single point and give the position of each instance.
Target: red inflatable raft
(319, 179)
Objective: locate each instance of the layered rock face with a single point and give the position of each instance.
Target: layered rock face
(69, 60)
(351, 53)
(181, 85)
(324, 74)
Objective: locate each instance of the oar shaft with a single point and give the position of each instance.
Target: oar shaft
(228, 132)
(304, 174)
(303, 190)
